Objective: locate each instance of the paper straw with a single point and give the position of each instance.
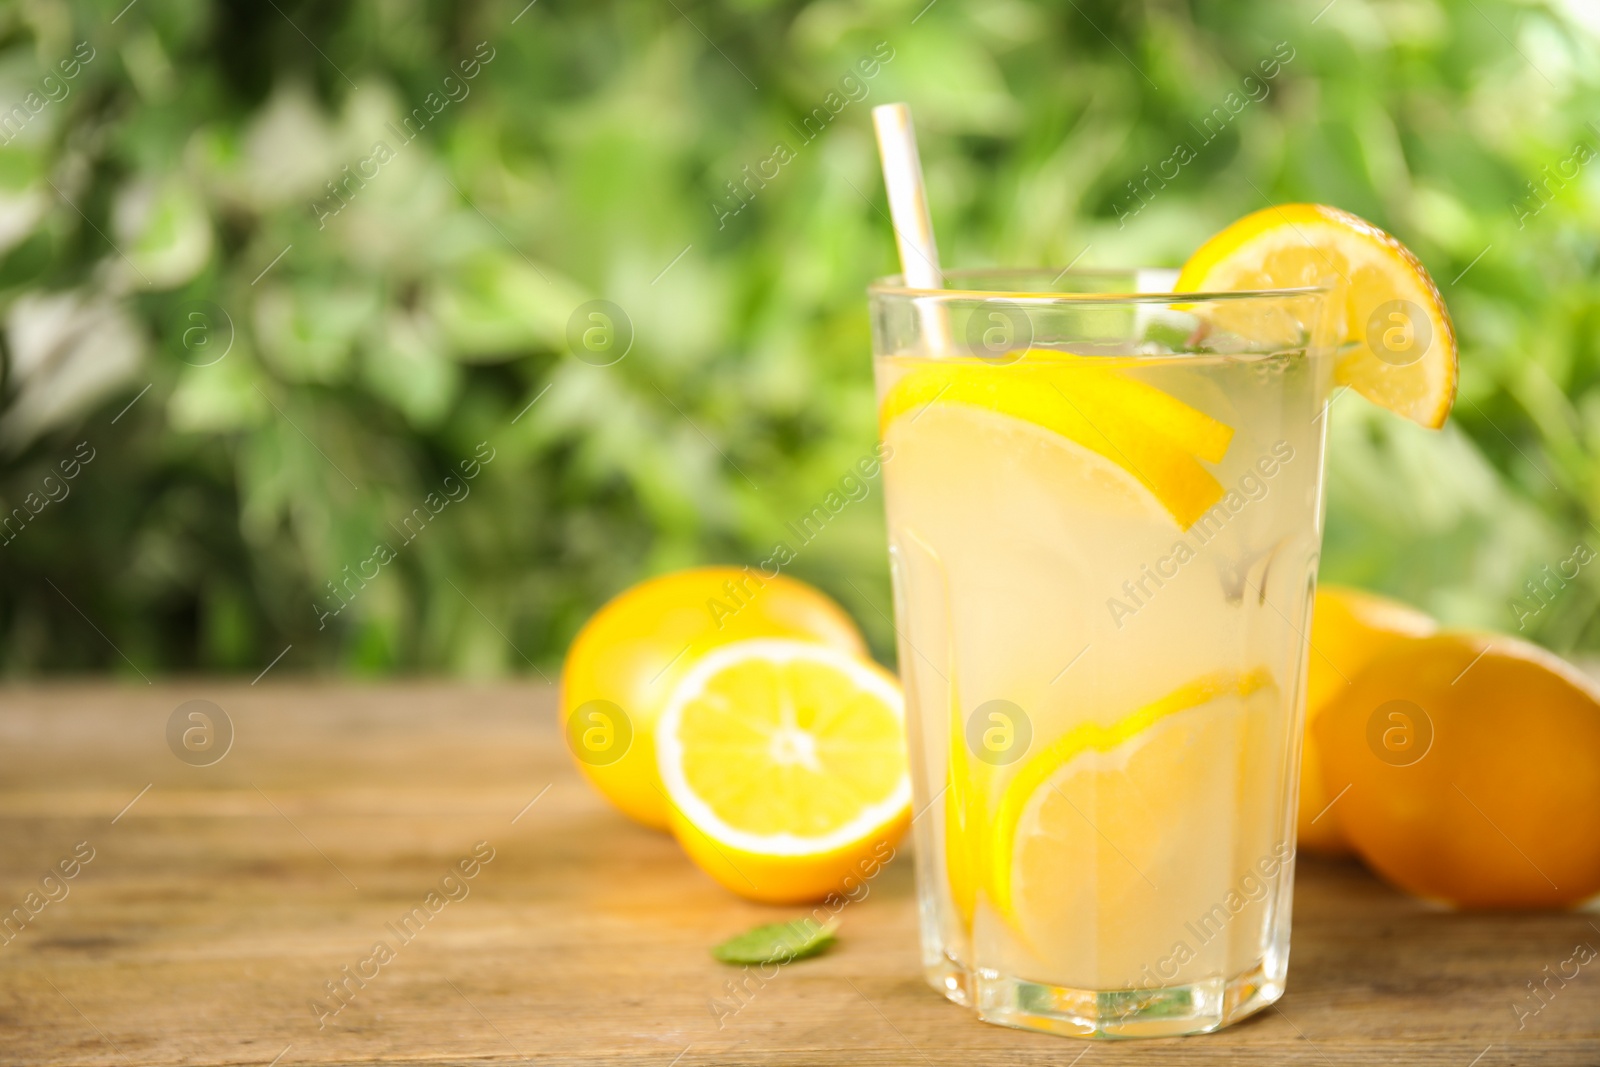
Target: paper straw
(908, 210)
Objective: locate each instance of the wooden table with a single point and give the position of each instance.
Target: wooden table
(220, 899)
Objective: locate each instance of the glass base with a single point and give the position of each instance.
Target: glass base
(951, 979)
(1165, 1011)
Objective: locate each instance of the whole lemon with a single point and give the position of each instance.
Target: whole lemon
(1473, 763)
(625, 661)
(1348, 628)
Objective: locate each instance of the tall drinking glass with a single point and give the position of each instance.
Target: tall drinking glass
(1104, 513)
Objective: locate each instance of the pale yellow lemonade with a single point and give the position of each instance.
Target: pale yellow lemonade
(1102, 568)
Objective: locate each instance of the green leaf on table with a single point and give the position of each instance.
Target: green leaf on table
(777, 942)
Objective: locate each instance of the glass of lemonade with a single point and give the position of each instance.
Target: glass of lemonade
(1104, 515)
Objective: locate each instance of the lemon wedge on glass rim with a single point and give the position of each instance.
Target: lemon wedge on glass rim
(1398, 345)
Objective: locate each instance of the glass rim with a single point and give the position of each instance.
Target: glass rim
(894, 285)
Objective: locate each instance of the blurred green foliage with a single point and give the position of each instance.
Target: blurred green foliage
(171, 198)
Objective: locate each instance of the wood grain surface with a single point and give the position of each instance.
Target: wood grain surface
(220, 900)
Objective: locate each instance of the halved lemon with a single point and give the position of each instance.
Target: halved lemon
(621, 667)
(1399, 345)
(1097, 820)
(784, 765)
(1150, 434)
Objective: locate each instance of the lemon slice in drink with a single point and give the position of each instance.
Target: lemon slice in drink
(1400, 346)
(1148, 433)
(965, 825)
(784, 763)
(1102, 824)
